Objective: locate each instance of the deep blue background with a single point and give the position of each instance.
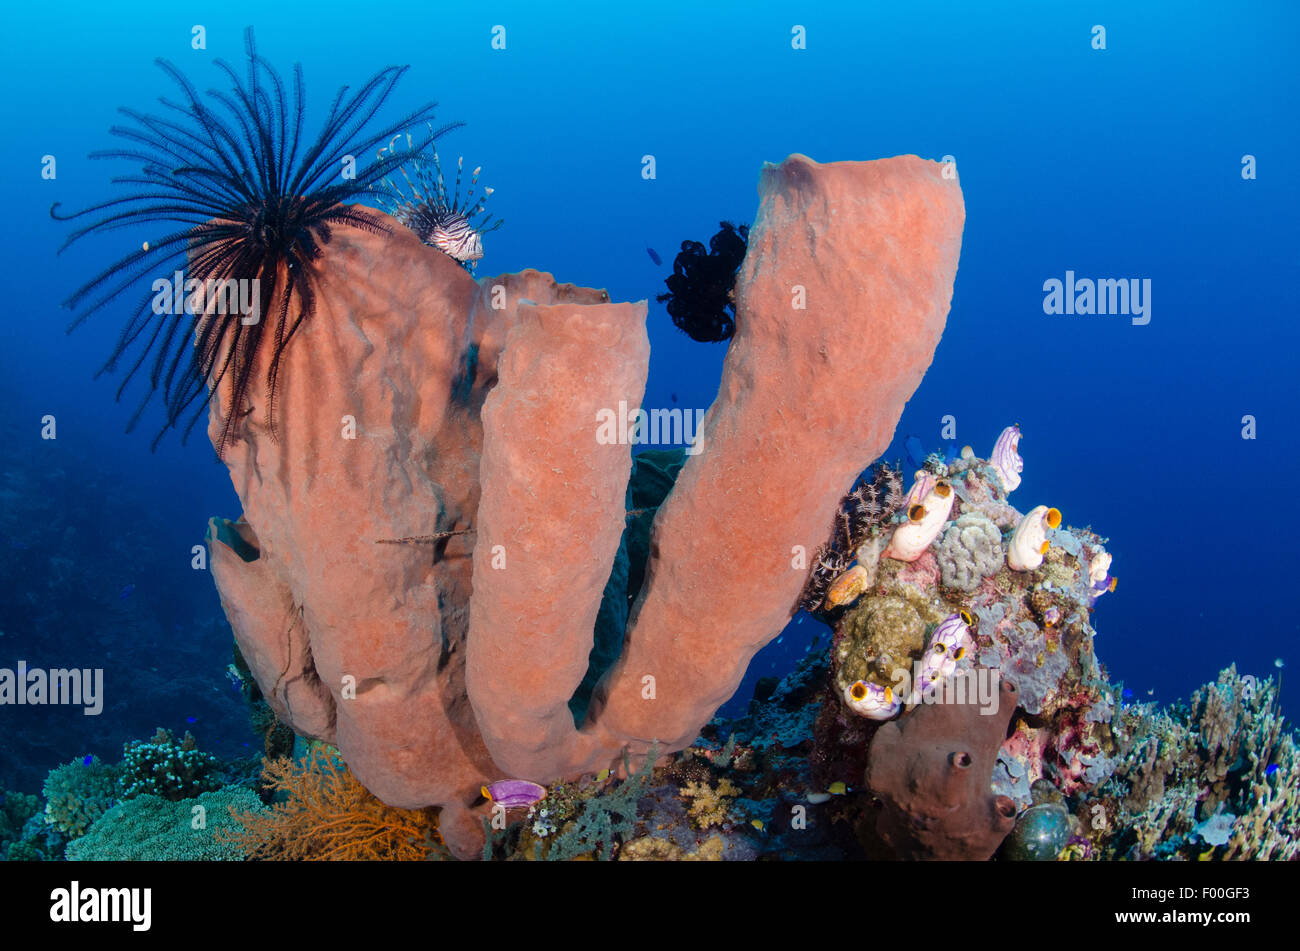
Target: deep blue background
(1117, 163)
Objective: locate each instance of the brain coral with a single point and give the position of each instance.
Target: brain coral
(971, 550)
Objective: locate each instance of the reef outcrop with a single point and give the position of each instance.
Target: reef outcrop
(933, 769)
(427, 534)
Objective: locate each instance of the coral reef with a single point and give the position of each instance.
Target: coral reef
(16, 809)
(652, 849)
(592, 826)
(411, 351)
(78, 793)
(1030, 624)
(450, 564)
(995, 590)
(701, 290)
(166, 767)
(150, 828)
(1219, 776)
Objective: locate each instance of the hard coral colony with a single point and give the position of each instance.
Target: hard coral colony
(960, 687)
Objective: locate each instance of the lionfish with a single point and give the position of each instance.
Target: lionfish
(439, 217)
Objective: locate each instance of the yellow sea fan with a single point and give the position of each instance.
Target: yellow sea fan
(330, 816)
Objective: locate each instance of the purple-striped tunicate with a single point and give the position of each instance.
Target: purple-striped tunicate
(514, 792)
(872, 700)
(947, 646)
(1099, 577)
(1006, 460)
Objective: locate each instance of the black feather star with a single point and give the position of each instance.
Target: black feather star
(699, 298)
(250, 200)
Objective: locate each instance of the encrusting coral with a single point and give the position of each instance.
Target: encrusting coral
(652, 849)
(323, 813)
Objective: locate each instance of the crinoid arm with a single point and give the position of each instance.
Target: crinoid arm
(247, 200)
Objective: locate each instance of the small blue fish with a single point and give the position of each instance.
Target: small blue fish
(653, 256)
(127, 591)
(90, 760)
(1128, 694)
(191, 719)
(1272, 769)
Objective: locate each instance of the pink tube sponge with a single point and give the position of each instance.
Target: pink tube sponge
(435, 526)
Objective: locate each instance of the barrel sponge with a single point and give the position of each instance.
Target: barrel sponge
(970, 551)
(150, 828)
(932, 771)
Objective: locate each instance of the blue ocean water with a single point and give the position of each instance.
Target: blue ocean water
(1123, 162)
